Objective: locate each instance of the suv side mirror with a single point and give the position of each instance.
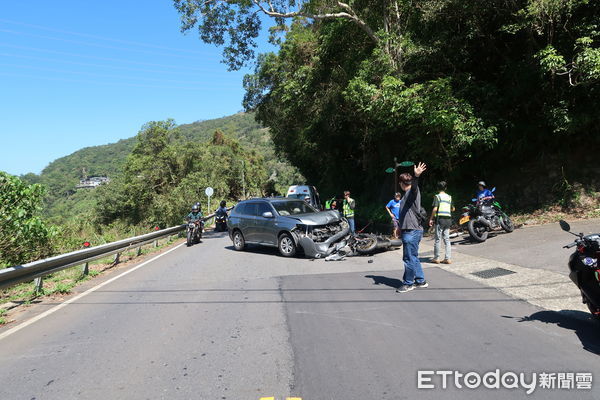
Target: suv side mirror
(267, 214)
(564, 225)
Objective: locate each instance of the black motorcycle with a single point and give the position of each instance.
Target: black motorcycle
(221, 222)
(584, 267)
(483, 217)
(194, 231)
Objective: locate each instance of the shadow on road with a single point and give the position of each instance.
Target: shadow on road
(258, 249)
(212, 234)
(467, 241)
(384, 280)
(584, 326)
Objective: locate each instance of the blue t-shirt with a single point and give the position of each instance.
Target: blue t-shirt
(394, 206)
(484, 193)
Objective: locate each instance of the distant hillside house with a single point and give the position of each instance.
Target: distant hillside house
(92, 182)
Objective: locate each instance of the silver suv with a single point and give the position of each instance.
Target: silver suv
(287, 224)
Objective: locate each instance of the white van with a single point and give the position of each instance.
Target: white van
(301, 191)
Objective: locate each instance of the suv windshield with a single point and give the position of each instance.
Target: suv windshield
(293, 207)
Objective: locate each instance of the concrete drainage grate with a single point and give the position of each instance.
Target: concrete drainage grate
(493, 273)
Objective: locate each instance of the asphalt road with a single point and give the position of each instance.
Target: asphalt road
(208, 322)
(534, 246)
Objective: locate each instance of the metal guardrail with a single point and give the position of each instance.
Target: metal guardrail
(37, 269)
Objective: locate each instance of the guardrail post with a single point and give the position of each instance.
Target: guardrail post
(139, 251)
(38, 285)
(117, 258)
(156, 243)
(86, 269)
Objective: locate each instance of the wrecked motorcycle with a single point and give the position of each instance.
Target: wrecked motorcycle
(361, 244)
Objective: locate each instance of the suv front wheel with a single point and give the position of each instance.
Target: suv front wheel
(287, 246)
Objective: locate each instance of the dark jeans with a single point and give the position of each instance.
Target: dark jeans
(413, 272)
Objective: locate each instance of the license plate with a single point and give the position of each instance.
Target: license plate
(463, 220)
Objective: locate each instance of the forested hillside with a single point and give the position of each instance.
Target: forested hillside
(62, 175)
(155, 178)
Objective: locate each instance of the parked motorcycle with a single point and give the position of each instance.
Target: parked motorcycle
(485, 216)
(585, 268)
(194, 231)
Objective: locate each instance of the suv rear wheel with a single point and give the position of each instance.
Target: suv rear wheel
(287, 246)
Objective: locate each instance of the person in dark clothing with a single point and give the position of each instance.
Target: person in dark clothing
(222, 210)
(411, 228)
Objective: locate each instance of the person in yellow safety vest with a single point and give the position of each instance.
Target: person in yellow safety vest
(348, 209)
(441, 216)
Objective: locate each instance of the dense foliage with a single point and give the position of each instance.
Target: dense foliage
(494, 90)
(24, 236)
(163, 177)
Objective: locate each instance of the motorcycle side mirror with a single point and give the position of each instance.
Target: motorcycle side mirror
(267, 214)
(564, 225)
(493, 190)
(473, 199)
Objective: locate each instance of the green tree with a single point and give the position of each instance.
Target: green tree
(474, 88)
(24, 236)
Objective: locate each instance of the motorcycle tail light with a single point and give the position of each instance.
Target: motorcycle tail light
(581, 249)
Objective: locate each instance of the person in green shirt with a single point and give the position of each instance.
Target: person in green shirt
(196, 213)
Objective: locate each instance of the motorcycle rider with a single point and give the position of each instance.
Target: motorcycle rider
(222, 210)
(195, 214)
(483, 193)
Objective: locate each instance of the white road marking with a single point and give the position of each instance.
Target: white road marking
(79, 296)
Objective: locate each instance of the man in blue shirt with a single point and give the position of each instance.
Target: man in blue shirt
(484, 193)
(393, 208)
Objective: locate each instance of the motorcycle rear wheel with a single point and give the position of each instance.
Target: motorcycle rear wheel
(479, 232)
(189, 238)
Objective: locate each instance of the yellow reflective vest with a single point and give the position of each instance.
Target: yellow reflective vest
(444, 208)
(348, 212)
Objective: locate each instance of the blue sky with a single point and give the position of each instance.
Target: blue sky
(83, 73)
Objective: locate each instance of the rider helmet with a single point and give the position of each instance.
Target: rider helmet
(482, 183)
(195, 208)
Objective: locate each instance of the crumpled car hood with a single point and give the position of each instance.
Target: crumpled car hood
(320, 218)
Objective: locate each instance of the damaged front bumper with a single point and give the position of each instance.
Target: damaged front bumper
(318, 246)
